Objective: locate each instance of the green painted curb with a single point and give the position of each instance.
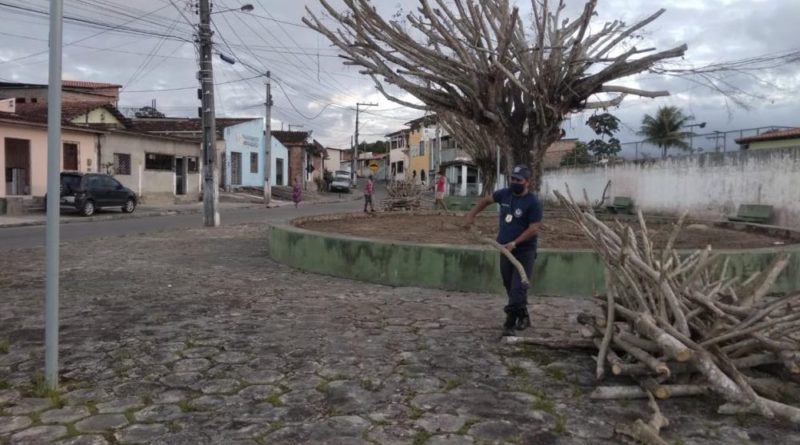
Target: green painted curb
(557, 272)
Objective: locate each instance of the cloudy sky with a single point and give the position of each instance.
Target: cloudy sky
(313, 89)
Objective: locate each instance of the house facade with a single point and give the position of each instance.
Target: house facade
(305, 158)
(420, 131)
(399, 159)
(72, 91)
(244, 155)
(771, 140)
(159, 169)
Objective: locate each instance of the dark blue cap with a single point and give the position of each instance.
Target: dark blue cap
(521, 172)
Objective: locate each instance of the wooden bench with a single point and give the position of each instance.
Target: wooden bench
(621, 204)
(753, 213)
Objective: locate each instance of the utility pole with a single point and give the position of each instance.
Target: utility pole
(210, 192)
(268, 143)
(52, 233)
(355, 152)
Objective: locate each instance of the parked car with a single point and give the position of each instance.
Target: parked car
(341, 181)
(88, 192)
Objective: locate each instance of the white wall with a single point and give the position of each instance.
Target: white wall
(711, 185)
(279, 151)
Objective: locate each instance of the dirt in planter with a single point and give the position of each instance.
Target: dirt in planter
(556, 232)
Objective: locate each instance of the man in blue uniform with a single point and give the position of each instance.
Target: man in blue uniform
(520, 218)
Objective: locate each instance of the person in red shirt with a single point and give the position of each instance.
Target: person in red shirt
(368, 191)
(440, 190)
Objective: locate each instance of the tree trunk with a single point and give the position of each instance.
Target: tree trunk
(531, 152)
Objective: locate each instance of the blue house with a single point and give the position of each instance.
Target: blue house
(244, 157)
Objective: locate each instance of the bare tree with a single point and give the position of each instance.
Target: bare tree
(480, 60)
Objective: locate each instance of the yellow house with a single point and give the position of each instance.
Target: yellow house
(420, 150)
(772, 139)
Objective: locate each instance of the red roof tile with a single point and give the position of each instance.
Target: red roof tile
(771, 136)
(88, 85)
(69, 110)
(291, 137)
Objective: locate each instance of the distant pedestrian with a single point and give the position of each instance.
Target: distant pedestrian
(297, 192)
(369, 190)
(441, 185)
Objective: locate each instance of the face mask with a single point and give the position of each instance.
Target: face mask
(517, 189)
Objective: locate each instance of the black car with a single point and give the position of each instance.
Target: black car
(88, 192)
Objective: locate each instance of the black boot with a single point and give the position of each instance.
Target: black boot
(508, 326)
(523, 320)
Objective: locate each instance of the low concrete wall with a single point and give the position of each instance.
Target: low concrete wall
(711, 185)
(470, 269)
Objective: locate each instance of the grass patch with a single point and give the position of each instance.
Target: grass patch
(527, 388)
(147, 399)
(92, 405)
(421, 437)
(275, 399)
(453, 383)
(4, 346)
(577, 392)
(467, 425)
(129, 415)
(371, 385)
(39, 384)
(173, 427)
(556, 373)
(71, 430)
(323, 387)
(561, 424)
(35, 418)
(518, 371)
(339, 376)
(4, 383)
(55, 399)
(415, 413)
(545, 404)
(186, 407)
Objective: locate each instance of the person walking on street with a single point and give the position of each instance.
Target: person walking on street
(369, 190)
(297, 192)
(521, 215)
(440, 191)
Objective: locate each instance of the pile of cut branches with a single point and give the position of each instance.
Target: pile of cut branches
(403, 195)
(685, 324)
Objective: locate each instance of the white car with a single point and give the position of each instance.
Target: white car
(341, 181)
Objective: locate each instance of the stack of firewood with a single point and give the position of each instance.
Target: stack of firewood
(402, 195)
(685, 324)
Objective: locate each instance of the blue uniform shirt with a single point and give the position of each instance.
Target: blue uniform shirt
(517, 213)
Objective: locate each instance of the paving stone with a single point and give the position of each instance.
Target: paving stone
(120, 405)
(191, 365)
(183, 438)
(170, 396)
(219, 386)
(441, 423)
(339, 426)
(8, 396)
(158, 413)
(260, 376)
(392, 412)
(140, 433)
(450, 439)
(258, 392)
(101, 423)
(200, 352)
(421, 385)
(67, 414)
(208, 403)
(28, 405)
(137, 389)
(38, 435)
(496, 430)
(186, 380)
(13, 423)
(14, 358)
(84, 440)
(391, 435)
(231, 357)
(348, 397)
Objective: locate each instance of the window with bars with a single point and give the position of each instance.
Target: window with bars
(157, 161)
(253, 162)
(122, 164)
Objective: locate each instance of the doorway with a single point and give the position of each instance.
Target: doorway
(70, 156)
(180, 176)
(18, 166)
(279, 171)
(236, 168)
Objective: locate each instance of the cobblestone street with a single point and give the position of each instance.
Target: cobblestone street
(196, 337)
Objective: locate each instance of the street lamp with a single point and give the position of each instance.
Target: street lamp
(244, 8)
(691, 134)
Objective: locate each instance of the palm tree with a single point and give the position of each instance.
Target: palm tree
(665, 129)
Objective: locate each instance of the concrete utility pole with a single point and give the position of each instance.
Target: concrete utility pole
(268, 144)
(210, 192)
(52, 233)
(355, 153)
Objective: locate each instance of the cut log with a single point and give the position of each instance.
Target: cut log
(548, 342)
(656, 365)
(637, 392)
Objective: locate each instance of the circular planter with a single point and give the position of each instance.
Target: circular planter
(557, 272)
